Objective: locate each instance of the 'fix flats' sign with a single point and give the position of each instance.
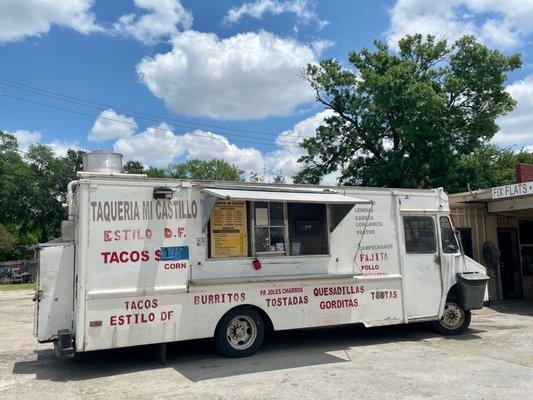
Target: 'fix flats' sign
(518, 189)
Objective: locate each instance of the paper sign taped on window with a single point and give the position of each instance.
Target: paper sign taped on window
(261, 216)
(228, 231)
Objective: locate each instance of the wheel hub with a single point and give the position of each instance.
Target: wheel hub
(241, 332)
(238, 331)
(453, 316)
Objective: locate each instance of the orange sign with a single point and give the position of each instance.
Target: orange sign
(229, 233)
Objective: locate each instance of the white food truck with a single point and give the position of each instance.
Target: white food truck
(151, 261)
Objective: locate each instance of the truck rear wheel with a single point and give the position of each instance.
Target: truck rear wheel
(240, 332)
(454, 320)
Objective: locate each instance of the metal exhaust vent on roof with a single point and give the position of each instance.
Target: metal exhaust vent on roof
(103, 162)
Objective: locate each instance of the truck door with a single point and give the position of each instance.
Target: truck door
(422, 274)
(55, 291)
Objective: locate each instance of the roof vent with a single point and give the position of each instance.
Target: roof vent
(105, 162)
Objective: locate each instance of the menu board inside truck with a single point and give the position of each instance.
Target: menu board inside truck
(228, 229)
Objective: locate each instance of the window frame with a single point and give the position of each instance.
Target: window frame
(286, 238)
(525, 248)
(254, 252)
(435, 233)
(251, 235)
(458, 246)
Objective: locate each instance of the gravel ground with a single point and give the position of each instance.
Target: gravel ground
(493, 360)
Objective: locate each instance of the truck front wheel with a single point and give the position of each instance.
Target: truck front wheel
(454, 320)
(240, 332)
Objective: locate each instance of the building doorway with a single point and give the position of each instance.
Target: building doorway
(510, 273)
(465, 234)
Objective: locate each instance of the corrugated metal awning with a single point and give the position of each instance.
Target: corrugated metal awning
(326, 196)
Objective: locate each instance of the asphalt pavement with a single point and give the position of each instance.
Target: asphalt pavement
(493, 360)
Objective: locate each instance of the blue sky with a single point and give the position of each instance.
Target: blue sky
(169, 80)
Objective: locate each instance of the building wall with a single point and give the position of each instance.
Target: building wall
(524, 173)
(483, 228)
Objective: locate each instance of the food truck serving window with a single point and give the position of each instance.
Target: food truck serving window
(271, 221)
(269, 227)
(289, 228)
(276, 228)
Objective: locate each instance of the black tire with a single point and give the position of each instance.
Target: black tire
(248, 332)
(454, 320)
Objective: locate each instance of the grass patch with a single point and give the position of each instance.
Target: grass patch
(16, 286)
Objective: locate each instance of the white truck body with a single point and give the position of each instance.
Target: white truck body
(135, 270)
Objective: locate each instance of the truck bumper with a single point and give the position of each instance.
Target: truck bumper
(471, 289)
(63, 345)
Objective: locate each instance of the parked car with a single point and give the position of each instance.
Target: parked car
(5, 275)
(18, 275)
(14, 275)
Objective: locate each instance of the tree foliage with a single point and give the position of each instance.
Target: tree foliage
(32, 189)
(277, 178)
(405, 119)
(136, 167)
(211, 170)
(487, 167)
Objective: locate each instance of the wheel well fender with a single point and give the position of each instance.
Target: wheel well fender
(453, 293)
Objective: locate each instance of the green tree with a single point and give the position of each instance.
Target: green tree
(405, 119)
(134, 167)
(49, 191)
(14, 179)
(277, 178)
(8, 243)
(68, 166)
(256, 178)
(212, 170)
(33, 186)
(17, 188)
(488, 166)
(137, 167)
(154, 172)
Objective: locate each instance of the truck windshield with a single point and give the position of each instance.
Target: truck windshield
(449, 242)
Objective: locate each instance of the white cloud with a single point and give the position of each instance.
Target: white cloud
(319, 46)
(21, 18)
(26, 138)
(285, 158)
(155, 146)
(303, 9)
(208, 145)
(503, 24)
(517, 126)
(163, 19)
(154, 20)
(110, 125)
(249, 75)
(159, 146)
(60, 147)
